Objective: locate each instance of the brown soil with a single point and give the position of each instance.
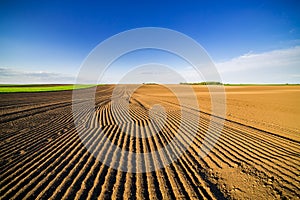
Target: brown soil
(257, 155)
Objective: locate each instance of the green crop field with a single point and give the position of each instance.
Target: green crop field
(40, 88)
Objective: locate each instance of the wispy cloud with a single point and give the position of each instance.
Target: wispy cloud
(9, 75)
(284, 58)
(278, 66)
(295, 75)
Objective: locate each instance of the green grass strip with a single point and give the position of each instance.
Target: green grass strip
(40, 88)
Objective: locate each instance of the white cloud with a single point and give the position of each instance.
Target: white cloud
(8, 75)
(284, 58)
(278, 66)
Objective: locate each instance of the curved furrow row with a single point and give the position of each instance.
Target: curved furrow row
(33, 138)
(13, 116)
(240, 155)
(60, 128)
(32, 162)
(278, 150)
(180, 185)
(63, 171)
(95, 190)
(264, 155)
(267, 161)
(32, 173)
(229, 151)
(260, 134)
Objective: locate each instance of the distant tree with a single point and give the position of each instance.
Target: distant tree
(203, 83)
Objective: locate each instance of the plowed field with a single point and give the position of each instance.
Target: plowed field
(257, 155)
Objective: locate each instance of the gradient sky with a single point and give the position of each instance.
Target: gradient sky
(249, 41)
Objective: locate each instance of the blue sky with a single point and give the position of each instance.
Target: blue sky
(249, 41)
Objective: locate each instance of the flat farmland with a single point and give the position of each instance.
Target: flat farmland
(256, 155)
